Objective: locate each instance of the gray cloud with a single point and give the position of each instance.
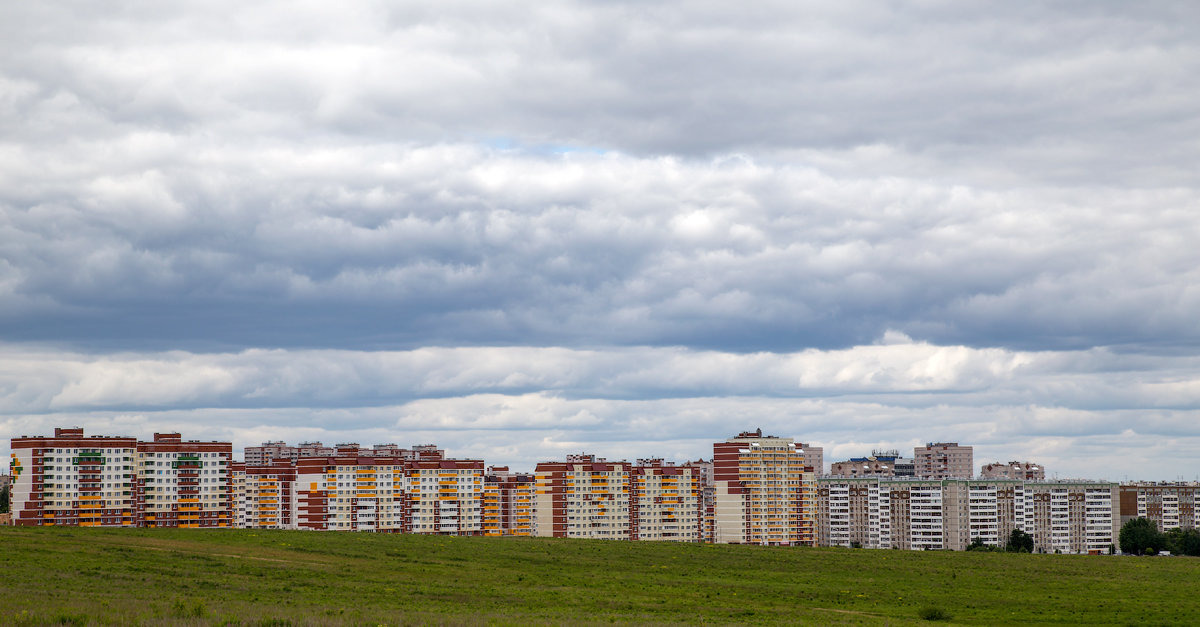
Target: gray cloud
(399, 247)
(605, 219)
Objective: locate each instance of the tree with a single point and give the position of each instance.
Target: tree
(4, 500)
(1183, 541)
(1141, 536)
(1019, 542)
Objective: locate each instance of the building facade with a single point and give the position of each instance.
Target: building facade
(73, 479)
(583, 497)
(764, 493)
(101, 481)
(944, 460)
(665, 502)
(184, 483)
(1024, 471)
(925, 514)
(508, 499)
(1171, 505)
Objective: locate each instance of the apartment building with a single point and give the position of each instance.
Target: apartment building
(1171, 505)
(764, 493)
(390, 489)
(184, 483)
(877, 464)
(583, 497)
(271, 452)
(73, 479)
(445, 496)
(1024, 471)
(665, 502)
(923, 514)
(237, 482)
(508, 502)
(944, 460)
(813, 456)
(1073, 516)
(270, 496)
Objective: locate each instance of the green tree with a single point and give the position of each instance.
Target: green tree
(1183, 541)
(1019, 542)
(1141, 536)
(4, 500)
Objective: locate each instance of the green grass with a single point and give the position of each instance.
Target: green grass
(62, 576)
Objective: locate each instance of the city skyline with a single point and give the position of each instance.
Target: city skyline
(522, 230)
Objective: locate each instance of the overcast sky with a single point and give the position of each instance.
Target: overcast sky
(524, 229)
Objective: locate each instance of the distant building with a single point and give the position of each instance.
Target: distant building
(271, 452)
(1025, 471)
(184, 483)
(507, 506)
(101, 481)
(926, 514)
(583, 497)
(665, 502)
(943, 460)
(764, 491)
(877, 464)
(390, 489)
(813, 456)
(1171, 505)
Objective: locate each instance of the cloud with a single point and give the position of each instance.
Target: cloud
(519, 405)
(461, 245)
(610, 217)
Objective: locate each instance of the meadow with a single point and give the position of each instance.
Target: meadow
(273, 578)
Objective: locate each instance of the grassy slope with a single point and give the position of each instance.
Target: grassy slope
(255, 577)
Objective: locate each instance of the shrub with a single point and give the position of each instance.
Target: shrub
(933, 613)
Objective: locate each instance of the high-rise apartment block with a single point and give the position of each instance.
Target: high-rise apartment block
(666, 502)
(1169, 505)
(944, 460)
(390, 489)
(268, 496)
(916, 514)
(184, 483)
(508, 502)
(1024, 471)
(813, 456)
(73, 479)
(763, 491)
(271, 452)
(583, 497)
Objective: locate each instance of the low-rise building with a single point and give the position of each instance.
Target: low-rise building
(1024, 471)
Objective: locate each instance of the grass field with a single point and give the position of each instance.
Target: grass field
(126, 576)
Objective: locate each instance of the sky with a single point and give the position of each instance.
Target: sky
(520, 230)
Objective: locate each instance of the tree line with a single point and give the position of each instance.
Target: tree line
(1141, 536)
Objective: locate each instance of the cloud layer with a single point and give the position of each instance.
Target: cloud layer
(517, 405)
(605, 219)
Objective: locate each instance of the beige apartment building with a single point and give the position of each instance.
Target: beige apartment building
(943, 460)
(665, 502)
(1023, 471)
(763, 492)
(508, 502)
(583, 497)
(924, 514)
